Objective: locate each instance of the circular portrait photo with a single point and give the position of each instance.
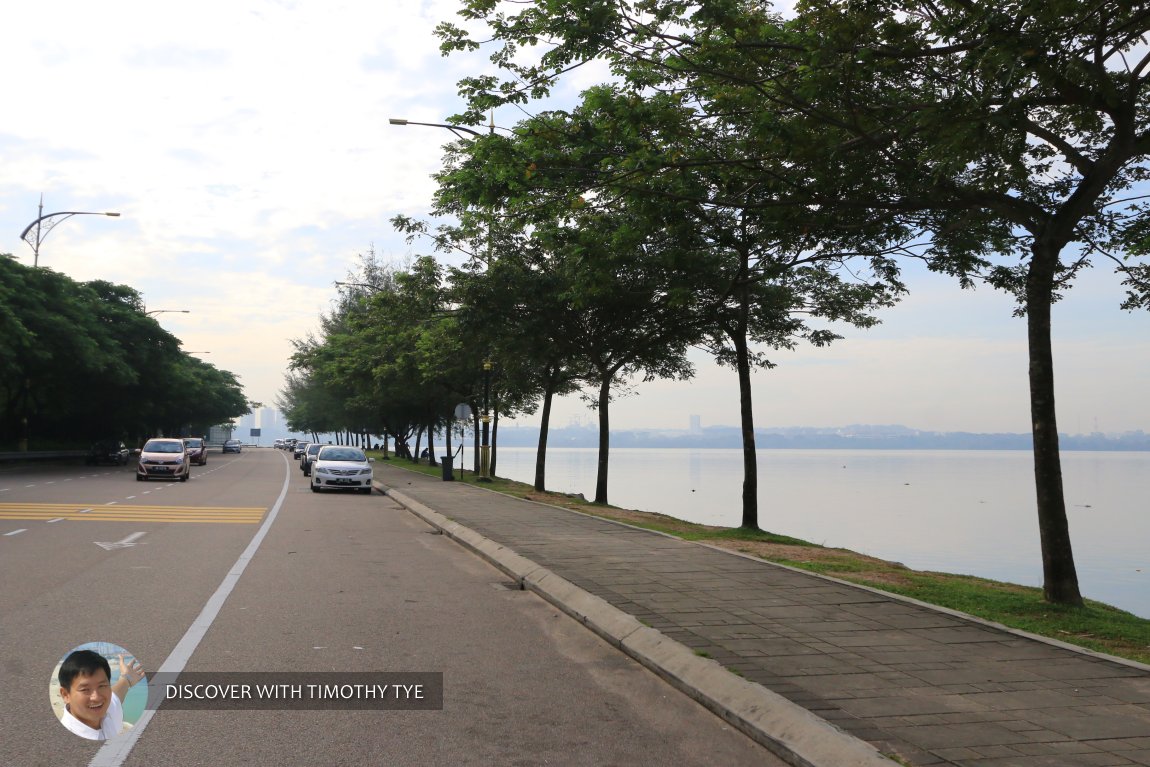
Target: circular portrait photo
(98, 690)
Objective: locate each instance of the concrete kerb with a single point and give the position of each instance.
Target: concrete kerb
(786, 729)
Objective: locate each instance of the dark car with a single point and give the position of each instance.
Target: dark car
(299, 449)
(197, 450)
(107, 451)
(232, 446)
(308, 458)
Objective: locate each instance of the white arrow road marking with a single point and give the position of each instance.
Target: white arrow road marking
(16, 532)
(126, 543)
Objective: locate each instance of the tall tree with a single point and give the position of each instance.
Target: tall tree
(1009, 133)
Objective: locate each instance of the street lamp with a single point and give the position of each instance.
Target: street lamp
(167, 311)
(485, 446)
(196, 352)
(452, 128)
(45, 223)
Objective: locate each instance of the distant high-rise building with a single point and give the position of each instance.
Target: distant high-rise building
(696, 424)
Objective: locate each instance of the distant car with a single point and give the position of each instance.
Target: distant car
(308, 458)
(197, 450)
(279, 444)
(337, 467)
(299, 449)
(290, 443)
(164, 459)
(108, 451)
(233, 446)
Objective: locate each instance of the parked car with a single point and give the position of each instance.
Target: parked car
(290, 443)
(164, 459)
(279, 444)
(233, 446)
(337, 467)
(308, 458)
(299, 449)
(108, 451)
(197, 450)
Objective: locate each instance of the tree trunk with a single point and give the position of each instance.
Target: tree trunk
(1059, 577)
(747, 425)
(448, 456)
(386, 437)
(604, 439)
(541, 450)
(418, 441)
(431, 445)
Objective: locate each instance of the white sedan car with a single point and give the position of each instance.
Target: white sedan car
(337, 467)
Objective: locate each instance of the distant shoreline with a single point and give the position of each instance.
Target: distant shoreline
(896, 438)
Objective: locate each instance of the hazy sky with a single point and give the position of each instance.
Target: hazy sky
(247, 147)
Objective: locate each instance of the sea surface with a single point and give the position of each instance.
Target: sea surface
(957, 511)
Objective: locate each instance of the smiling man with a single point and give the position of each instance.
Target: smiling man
(93, 706)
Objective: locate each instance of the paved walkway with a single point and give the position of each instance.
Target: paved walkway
(921, 684)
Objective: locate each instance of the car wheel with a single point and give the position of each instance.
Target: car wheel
(365, 490)
(139, 478)
(186, 477)
(314, 488)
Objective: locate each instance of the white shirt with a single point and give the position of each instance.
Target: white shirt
(109, 728)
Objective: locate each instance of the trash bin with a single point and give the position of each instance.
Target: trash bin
(446, 465)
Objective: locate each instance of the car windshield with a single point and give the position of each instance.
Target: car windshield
(313, 449)
(163, 447)
(341, 454)
(194, 442)
(232, 442)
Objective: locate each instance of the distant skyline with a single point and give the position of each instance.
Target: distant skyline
(248, 150)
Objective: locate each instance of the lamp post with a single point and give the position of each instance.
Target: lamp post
(485, 446)
(45, 223)
(167, 311)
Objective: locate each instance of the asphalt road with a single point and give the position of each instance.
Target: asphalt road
(318, 583)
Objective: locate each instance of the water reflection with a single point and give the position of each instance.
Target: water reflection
(955, 511)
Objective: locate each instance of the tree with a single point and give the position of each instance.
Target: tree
(1009, 134)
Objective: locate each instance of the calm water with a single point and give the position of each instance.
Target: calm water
(961, 511)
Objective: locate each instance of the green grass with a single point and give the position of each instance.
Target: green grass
(1096, 626)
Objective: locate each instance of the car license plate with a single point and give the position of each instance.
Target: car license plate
(344, 481)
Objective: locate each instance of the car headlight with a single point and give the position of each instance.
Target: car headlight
(365, 471)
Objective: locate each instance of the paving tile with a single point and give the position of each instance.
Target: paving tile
(914, 681)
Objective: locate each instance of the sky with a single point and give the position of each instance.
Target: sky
(247, 147)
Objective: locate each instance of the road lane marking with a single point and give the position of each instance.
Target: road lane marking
(16, 532)
(57, 519)
(244, 515)
(127, 542)
(114, 752)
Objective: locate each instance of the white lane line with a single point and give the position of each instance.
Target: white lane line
(57, 519)
(84, 511)
(16, 532)
(130, 497)
(111, 503)
(29, 486)
(114, 752)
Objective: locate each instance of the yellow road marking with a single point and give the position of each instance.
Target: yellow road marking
(244, 515)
